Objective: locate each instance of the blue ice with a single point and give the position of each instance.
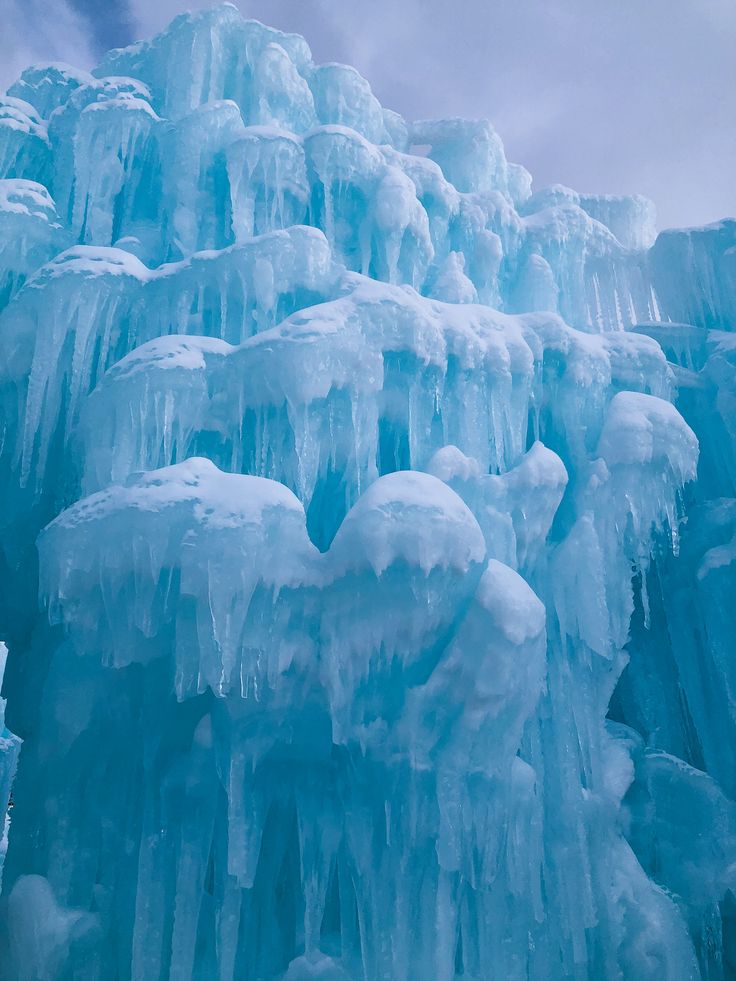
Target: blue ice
(368, 541)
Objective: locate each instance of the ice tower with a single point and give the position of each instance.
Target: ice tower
(368, 548)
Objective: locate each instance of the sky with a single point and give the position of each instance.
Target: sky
(606, 96)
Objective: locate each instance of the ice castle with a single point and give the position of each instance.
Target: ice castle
(368, 541)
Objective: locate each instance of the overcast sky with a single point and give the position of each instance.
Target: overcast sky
(604, 95)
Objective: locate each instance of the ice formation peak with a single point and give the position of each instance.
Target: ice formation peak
(368, 541)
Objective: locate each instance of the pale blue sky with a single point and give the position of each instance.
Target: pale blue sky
(603, 95)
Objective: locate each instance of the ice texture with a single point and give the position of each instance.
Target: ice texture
(9, 749)
(368, 541)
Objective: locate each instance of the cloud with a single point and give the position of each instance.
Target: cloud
(36, 30)
(115, 29)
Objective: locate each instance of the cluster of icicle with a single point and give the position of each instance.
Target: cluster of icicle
(368, 541)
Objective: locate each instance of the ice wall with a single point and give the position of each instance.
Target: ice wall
(9, 748)
(368, 541)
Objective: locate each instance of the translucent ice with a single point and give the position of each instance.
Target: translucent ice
(368, 541)
(47, 87)
(25, 151)
(30, 233)
(9, 749)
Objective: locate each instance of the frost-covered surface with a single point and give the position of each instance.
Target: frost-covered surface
(368, 543)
